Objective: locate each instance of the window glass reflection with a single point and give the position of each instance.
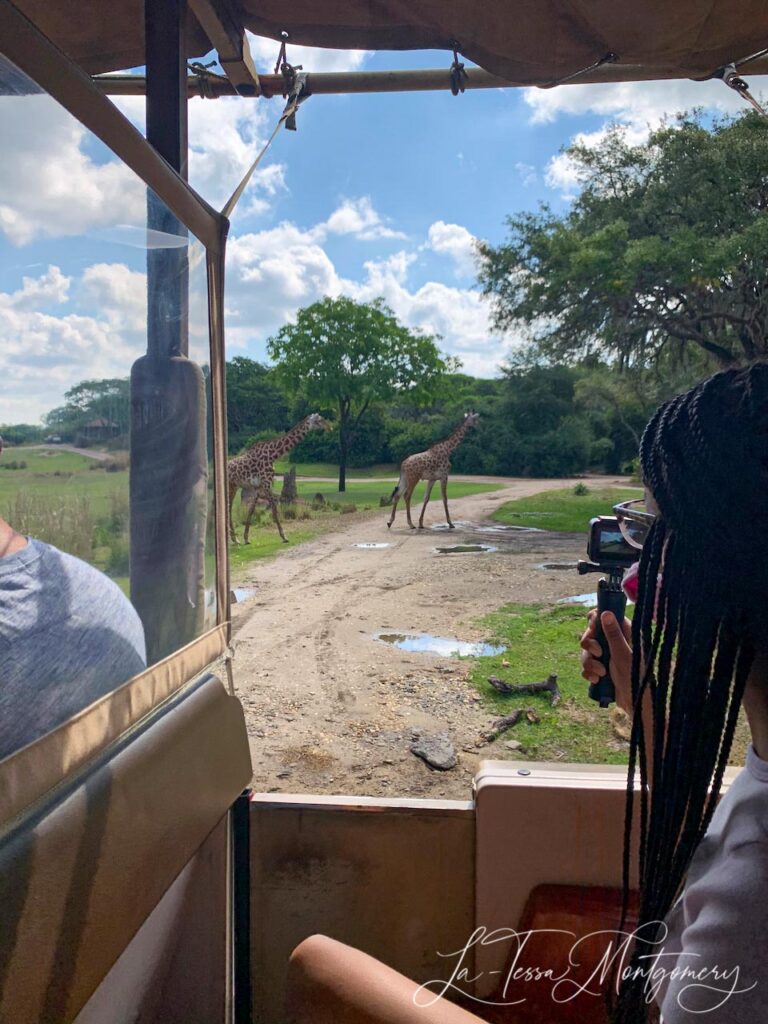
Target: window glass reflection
(106, 540)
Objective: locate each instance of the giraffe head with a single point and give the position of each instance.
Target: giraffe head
(471, 418)
(316, 422)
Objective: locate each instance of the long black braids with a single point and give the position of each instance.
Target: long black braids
(704, 458)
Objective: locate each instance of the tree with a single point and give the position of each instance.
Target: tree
(663, 252)
(107, 399)
(255, 402)
(347, 355)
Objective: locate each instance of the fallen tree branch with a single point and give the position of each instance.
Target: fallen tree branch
(548, 685)
(501, 725)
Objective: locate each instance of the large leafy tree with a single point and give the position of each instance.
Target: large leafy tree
(664, 250)
(347, 355)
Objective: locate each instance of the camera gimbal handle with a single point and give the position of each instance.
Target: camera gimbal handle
(610, 598)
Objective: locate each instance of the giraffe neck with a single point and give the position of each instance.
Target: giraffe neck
(454, 439)
(284, 444)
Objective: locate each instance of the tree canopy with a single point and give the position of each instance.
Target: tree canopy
(347, 355)
(663, 252)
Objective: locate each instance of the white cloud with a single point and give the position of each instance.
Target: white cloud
(272, 273)
(312, 58)
(454, 241)
(636, 103)
(638, 106)
(45, 353)
(356, 217)
(527, 172)
(49, 184)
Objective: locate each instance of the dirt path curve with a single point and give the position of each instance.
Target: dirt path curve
(330, 709)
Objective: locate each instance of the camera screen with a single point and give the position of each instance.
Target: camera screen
(607, 544)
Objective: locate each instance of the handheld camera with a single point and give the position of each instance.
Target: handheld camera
(608, 553)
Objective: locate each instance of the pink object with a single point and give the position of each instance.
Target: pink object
(630, 583)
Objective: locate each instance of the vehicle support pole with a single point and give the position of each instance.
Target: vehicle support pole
(169, 465)
(241, 909)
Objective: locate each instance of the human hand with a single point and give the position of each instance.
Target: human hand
(619, 639)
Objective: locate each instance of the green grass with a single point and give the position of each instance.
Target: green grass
(265, 541)
(369, 494)
(331, 470)
(76, 479)
(563, 511)
(542, 640)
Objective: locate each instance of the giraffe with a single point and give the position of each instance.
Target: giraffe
(254, 471)
(433, 464)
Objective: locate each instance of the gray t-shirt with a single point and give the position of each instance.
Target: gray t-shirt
(717, 929)
(68, 635)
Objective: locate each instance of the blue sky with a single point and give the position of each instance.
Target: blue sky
(373, 195)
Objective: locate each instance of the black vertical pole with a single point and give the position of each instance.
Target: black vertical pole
(169, 466)
(241, 909)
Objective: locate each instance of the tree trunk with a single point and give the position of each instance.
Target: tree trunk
(343, 444)
(289, 495)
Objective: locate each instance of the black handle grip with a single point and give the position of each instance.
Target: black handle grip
(610, 598)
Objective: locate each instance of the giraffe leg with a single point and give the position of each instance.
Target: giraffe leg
(430, 485)
(276, 517)
(408, 495)
(444, 489)
(232, 534)
(394, 509)
(249, 517)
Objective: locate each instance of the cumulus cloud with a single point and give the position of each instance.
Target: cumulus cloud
(272, 273)
(313, 58)
(50, 341)
(456, 242)
(357, 217)
(527, 172)
(639, 106)
(50, 184)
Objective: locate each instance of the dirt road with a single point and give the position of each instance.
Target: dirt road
(331, 709)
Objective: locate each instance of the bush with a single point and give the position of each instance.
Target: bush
(304, 513)
(289, 513)
(580, 490)
(346, 509)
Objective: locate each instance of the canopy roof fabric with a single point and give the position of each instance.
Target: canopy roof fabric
(534, 42)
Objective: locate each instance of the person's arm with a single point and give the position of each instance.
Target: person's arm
(619, 644)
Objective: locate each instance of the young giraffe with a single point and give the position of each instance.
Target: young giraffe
(433, 464)
(254, 471)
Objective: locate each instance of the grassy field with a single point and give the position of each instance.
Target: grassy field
(331, 470)
(541, 640)
(58, 473)
(564, 511)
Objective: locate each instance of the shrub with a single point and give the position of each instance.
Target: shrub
(304, 513)
(347, 508)
(289, 512)
(580, 490)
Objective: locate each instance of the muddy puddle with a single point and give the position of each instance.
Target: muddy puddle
(588, 600)
(443, 646)
(558, 565)
(370, 545)
(240, 594)
(496, 528)
(466, 549)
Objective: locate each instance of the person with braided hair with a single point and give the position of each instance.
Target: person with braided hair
(695, 653)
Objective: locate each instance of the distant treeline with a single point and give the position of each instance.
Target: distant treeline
(534, 421)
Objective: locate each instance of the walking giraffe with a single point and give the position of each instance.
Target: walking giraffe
(254, 471)
(433, 464)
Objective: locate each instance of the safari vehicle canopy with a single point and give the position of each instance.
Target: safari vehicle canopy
(136, 884)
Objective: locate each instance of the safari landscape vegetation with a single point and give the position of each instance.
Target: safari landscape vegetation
(652, 278)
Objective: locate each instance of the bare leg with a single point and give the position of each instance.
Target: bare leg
(249, 517)
(444, 489)
(430, 485)
(276, 517)
(408, 495)
(330, 983)
(232, 535)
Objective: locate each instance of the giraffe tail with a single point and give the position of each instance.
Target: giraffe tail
(398, 490)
